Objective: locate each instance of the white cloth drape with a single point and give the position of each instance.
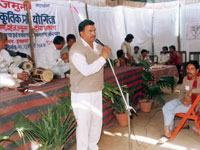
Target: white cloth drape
(190, 16)
(165, 28)
(109, 23)
(148, 23)
(139, 23)
(66, 23)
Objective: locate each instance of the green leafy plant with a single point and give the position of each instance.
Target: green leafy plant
(112, 92)
(3, 139)
(113, 62)
(67, 100)
(153, 90)
(109, 90)
(51, 131)
(118, 105)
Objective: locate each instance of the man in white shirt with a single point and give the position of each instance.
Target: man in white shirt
(144, 55)
(164, 57)
(8, 68)
(86, 78)
(136, 54)
(126, 47)
(61, 64)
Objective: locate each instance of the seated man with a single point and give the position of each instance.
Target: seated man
(175, 59)
(122, 60)
(8, 69)
(188, 92)
(136, 54)
(61, 64)
(144, 55)
(71, 39)
(19, 57)
(164, 57)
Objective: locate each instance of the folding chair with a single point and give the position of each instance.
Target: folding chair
(194, 56)
(189, 115)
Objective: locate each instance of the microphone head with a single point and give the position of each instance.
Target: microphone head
(99, 42)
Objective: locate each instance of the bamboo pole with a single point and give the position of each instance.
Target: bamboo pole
(31, 31)
(178, 36)
(152, 35)
(86, 10)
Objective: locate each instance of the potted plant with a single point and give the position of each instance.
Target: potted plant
(52, 131)
(152, 89)
(112, 92)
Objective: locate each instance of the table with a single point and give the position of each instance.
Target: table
(12, 102)
(166, 70)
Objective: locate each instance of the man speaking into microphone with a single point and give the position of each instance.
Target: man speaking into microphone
(87, 59)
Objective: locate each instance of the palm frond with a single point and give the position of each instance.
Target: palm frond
(167, 82)
(113, 93)
(144, 64)
(113, 62)
(3, 139)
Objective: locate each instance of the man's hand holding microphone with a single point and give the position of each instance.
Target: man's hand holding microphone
(105, 52)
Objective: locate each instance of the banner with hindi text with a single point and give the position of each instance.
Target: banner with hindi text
(48, 21)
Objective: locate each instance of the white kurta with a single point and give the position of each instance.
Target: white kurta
(164, 58)
(7, 65)
(57, 65)
(136, 57)
(126, 47)
(87, 107)
(8, 70)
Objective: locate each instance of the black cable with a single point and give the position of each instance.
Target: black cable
(145, 127)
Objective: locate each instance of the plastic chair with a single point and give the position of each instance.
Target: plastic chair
(189, 115)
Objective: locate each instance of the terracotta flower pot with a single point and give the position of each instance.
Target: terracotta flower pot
(122, 119)
(146, 105)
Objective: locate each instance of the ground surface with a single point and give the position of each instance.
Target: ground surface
(146, 130)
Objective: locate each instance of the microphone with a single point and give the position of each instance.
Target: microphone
(99, 42)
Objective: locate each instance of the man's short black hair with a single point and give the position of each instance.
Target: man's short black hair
(58, 40)
(194, 62)
(70, 36)
(173, 47)
(3, 35)
(129, 37)
(119, 53)
(165, 48)
(136, 47)
(84, 23)
(144, 50)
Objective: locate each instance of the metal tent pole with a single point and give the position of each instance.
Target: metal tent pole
(129, 125)
(128, 108)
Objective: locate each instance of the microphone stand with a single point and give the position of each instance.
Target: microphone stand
(130, 109)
